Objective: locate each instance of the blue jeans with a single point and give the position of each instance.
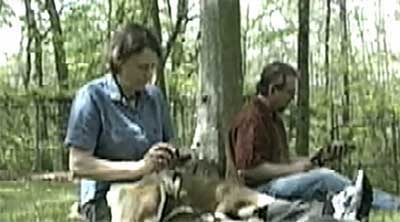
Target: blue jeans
(317, 184)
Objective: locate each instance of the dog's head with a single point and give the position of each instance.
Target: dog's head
(201, 188)
(189, 186)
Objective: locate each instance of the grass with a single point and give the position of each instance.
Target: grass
(51, 201)
(384, 216)
(35, 201)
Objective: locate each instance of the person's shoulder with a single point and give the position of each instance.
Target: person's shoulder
(154, 92)
(93, 88)
(249, 107)
(247, 113)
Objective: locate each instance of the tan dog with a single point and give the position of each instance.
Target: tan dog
(180, 194)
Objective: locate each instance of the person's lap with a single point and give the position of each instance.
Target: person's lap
(311, 185)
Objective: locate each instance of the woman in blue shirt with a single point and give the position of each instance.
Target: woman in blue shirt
(119, 125)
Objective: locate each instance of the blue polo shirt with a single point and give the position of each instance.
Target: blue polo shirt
(105, 124)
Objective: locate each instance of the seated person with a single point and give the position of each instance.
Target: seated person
(118, 121)
(259, 146)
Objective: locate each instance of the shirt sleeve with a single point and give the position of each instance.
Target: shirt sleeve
(84, 122)
(244, 144)
(251, 142)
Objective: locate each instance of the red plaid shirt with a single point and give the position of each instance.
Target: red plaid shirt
(257, 135)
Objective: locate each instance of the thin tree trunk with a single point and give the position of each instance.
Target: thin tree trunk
(160, 78)
(303, 121)
(395, 149)
(178, 28)
(29, 20)
(58, 45)
(39, 106)
(62, 75)
(327, 35)
(345, 44)
(109, 19)
(328, 83)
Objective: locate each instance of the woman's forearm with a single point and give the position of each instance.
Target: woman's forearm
(84, 165)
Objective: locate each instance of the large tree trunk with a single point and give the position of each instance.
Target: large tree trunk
(303, 121)
(220, 78)
(62, 76)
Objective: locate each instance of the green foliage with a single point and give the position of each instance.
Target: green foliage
(6, 12)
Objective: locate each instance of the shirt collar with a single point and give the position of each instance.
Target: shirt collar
(264, 106)
(115, 94)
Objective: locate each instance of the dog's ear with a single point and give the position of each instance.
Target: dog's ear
(181, 157)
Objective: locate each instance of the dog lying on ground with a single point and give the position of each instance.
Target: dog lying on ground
(193, 191)
(188, 193)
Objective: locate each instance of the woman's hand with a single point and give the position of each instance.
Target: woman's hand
(159, 157)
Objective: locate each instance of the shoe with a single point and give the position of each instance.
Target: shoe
(354, 202)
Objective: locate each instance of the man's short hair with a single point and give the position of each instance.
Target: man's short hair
(271, 72)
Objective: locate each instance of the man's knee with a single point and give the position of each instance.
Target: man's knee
(331, 178)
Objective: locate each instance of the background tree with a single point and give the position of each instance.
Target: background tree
(303, 119)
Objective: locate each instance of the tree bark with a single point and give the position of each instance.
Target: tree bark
(220, 79)
(303, 119)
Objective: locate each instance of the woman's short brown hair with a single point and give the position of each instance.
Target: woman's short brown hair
(131, 39)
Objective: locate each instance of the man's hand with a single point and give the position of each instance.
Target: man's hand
(245, 178)
(159, 157)
(304, 165)
(330, 153)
